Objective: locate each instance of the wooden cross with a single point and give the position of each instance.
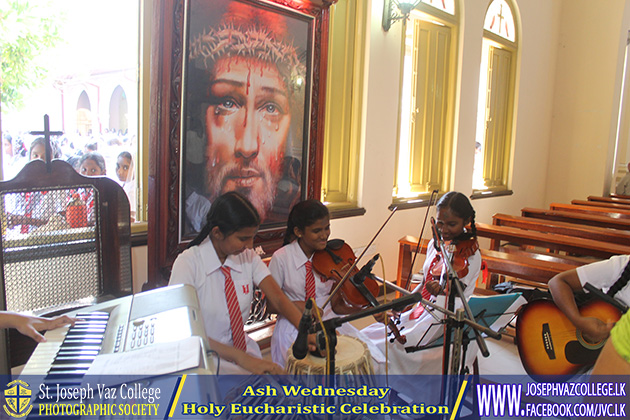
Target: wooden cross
(47, 133)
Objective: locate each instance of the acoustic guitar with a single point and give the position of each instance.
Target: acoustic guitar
(549, 344)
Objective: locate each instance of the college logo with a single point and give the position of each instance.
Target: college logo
(18, 399)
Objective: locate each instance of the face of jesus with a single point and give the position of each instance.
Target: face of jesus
(247, 124)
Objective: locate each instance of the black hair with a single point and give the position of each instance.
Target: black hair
(126, 155)
(230, 212)
(96, 157)
(304, 214)
(55, 151)
(460, 205)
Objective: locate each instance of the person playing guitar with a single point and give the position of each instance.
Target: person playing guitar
(610, 276)
(564, 337)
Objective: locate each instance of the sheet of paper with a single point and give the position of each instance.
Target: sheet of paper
(153, 360)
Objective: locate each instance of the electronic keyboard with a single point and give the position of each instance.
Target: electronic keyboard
(125, 324)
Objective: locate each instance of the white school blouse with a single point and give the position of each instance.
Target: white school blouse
(288, 268)
(200, 267)
(603, 274)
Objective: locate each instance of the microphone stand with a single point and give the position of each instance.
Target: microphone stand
(455, 290)
(330, 325)
(451, 382)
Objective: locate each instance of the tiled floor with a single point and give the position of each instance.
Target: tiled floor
(503, 358)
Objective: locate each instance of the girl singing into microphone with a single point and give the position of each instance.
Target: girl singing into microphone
(454, 215)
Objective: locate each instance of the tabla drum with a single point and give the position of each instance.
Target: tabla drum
(352, 357)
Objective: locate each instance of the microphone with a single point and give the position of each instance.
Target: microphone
(300, 346)
(365, 270)
(437, 238)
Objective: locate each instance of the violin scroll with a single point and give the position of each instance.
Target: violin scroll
(394, 329)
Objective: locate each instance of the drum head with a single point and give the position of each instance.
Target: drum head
(349, 351)
(352, 356)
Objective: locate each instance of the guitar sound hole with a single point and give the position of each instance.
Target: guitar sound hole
(587, 342)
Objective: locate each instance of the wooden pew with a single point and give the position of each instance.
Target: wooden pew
(525, 269)
(568, 244)
(601, 211)
(580, 218)
(626, 197)
(562, 228)
(619, 206)
(550, 256)
(608, 199)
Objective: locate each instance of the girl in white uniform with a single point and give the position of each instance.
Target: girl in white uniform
(222, 249)
(308, 229)
(454, 213)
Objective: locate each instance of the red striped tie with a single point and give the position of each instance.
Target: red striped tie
(310, 281)
(234, 309)
(420, 309)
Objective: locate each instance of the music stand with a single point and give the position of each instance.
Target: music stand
(494, 312)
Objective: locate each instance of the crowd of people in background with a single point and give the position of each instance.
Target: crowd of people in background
(109, 154)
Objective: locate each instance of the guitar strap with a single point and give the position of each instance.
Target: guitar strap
(621, 282)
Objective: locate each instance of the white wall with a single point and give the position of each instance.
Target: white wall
(587, 84)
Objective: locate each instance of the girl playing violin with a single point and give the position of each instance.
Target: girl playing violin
(224, 269)
(308, 229)
(454, 213)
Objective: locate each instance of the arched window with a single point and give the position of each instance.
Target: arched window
(425, 140)
(84, 115)
(447, 6)
(118, 109)
(495, 113)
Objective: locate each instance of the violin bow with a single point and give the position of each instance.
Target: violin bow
(356, 261)
(424, 223)
(440, 247)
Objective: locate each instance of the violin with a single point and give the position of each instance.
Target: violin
(337, 261)
(461, 250)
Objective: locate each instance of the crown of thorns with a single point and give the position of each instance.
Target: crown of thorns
(214, 43)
